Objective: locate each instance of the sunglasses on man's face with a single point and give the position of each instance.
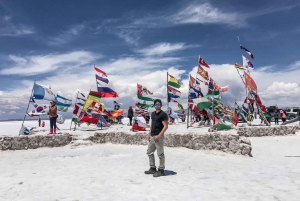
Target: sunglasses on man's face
(157, 105)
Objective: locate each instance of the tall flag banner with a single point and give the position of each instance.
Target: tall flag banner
(203, 72)
(248, 52)
(250, 83)
(42, 92)
(173, 82)
(106, 92)
(102, 79)
(143, 90)
(246, 63)
(62, 101)
(100, 71)
(203, 63)
(238, 66)
(93, 96)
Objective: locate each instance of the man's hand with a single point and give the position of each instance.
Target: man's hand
(157, 138)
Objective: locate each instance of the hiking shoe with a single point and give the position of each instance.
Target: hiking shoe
(159, 173)
(151, 171)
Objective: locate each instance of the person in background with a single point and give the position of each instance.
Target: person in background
(117, 105)
(53, 116)
(298, 114)
(130, 115)
(158, 127)
(276, 116)
(283, 116)
(39, 122)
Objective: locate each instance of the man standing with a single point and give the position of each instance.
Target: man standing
(158, 127)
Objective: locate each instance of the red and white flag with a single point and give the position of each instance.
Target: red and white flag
(203, 63)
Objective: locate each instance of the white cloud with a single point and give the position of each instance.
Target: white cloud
(33, 65)
(16, 30)
(7, 18)
(12, 112)
(205, 14)
(163, 48)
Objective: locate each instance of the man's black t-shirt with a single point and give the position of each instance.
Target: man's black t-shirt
(157, 119)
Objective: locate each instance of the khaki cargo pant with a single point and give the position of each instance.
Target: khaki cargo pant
(159, 146)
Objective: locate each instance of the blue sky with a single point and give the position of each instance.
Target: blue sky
(58, 42)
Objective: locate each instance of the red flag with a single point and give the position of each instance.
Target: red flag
(236, 119)
(224, 89)
(203, 63)
(100, 71)
(250, 84)
(202, 72)
(216, 121)
(192, 81)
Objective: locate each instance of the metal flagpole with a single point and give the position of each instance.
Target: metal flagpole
(74, 108)
(27, 106)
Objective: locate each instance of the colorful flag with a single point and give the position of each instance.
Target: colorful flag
(203, 63)
(93, 96)
(250, 84)
(238, 66)
(202, 103)
(248, 52)
(36, 109)
(62, 108)
(180, 107)
(194, 93)
(213, 93)
(145, 98)
(221, 126)
(62, 101)
(42, 92)
(102, 79)
(246, 63)
(173, 93)
(173, 82)
(100, 71)
(107, 92)
(224, 89)
(236, 119)
(143, 90)
(203, 72)
(144, 105)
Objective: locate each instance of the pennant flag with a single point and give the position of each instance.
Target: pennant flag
(100, 71)
(107, 92)
(102, 79)
(238, 66)
(203, 72)
(221, 126)
(93, 96)
(62, 101)
(250, 84)
(248, 52)
(42, 92)
(202, 103)
(246, 63)
(173, 82)
(145, 98)
(203, 63)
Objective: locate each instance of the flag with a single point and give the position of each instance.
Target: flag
(173, 93)
(36, 109)
(173, 82)
(250, 84)
(224, 89)
(202, 103)
(102, 79)
(238, 66)
(194, 93)
(248, 52)
(100, 71)
(180, 107)
(202, 72)
(145, 98)
(62, 101)
(42, 92)
(249, 99)
(144, 105)
(246, 63)
(221, 126)
(236, 119)
(93, 96)
(116, 113)
(107, 92)
(143, 90)
(203, 63)
(192, 81)
(62, 108)
(138, 125)
(259, 102)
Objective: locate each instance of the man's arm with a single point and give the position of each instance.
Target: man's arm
(165, 123)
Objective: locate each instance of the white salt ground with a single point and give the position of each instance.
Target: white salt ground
(116, 172)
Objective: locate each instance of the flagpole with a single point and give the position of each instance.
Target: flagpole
(74, 107)
(167, 94)
(27, 106)
(188, 114)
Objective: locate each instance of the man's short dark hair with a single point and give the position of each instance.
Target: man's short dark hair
(157, 100)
